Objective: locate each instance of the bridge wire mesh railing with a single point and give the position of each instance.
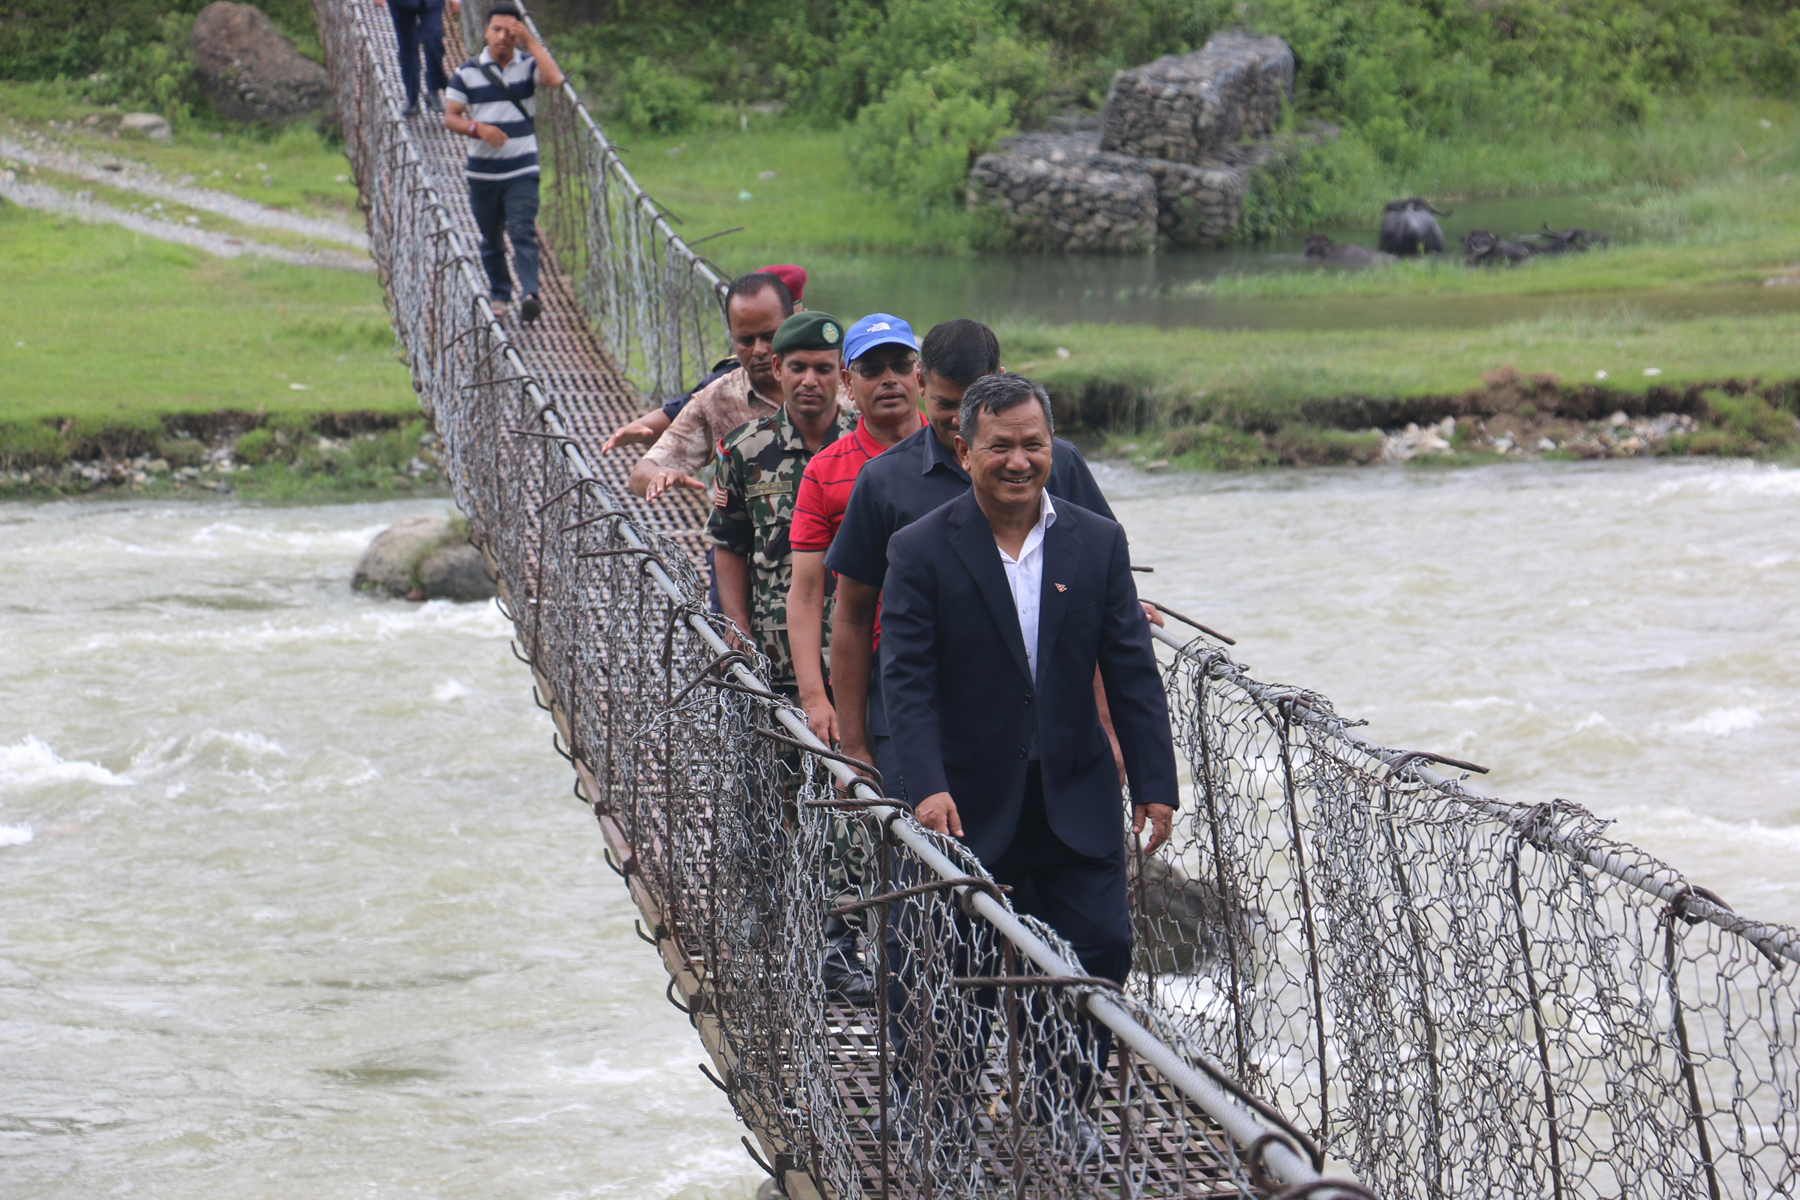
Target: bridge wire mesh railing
(725, 802)
(656, 303)
(1454, 995)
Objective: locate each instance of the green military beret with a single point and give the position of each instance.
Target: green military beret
(809, 331)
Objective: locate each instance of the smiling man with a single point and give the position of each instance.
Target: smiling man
(997, 609)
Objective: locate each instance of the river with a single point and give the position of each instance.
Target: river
(298, 903)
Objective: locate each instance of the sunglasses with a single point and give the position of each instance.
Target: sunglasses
(875, 370)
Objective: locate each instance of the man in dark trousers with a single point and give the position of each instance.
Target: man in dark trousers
(491, 101)
(996, 610)
(419, 25)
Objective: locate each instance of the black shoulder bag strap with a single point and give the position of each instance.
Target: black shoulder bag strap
(499, 81)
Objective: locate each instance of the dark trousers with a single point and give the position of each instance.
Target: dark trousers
(509, 207)
(1082, 898)
(415, 28)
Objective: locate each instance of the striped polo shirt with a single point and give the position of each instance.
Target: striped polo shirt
(489, 105)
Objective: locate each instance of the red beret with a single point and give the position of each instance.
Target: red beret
(794, 277)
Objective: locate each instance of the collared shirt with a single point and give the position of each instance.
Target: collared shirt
(719, 408)
(672, 408)
(758, 477)
(489, 105)
(917, 476)
(1025, 576)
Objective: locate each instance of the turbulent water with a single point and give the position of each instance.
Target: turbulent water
(297, 902)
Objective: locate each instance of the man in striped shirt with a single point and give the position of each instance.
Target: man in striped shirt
(881, 373)
(490, 101)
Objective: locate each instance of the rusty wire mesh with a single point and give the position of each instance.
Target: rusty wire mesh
(721, 814)
(1455, 995)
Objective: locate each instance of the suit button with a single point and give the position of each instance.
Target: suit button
(1021, 753)
(1028, 697)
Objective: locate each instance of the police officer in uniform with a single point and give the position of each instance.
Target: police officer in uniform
(753, 506)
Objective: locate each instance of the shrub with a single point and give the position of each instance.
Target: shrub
(255, 447)
(1743, 425)
(918, 142)
(1217, 447)
(657, 99)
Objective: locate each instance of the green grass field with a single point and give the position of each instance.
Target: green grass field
(100, 322)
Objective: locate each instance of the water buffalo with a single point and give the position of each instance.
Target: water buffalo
(1408, 228)
(1553, 241)
(1325, 250)
(1483, 249)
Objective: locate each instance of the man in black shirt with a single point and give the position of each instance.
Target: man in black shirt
(895, 489)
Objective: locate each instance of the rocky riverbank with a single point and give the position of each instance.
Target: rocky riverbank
(350, 454)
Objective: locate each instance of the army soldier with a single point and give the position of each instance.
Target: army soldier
(758, 477)
(757, 480)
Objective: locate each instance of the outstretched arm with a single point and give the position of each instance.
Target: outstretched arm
(1134, 693)
(806, 639)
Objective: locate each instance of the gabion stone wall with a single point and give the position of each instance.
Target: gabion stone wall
(1173, 131)
(1054, 200)
(1183, 108)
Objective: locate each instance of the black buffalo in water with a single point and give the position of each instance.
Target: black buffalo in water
(1483, 249)
(1553, 241)
(1320, 247)
(1408, 228)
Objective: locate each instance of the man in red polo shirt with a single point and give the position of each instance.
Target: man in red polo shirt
(881, 373)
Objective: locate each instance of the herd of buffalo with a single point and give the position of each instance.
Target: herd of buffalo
(1409, 228)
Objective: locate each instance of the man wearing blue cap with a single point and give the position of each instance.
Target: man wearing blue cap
(881, 375)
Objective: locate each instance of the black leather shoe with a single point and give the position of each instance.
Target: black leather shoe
(530, 309)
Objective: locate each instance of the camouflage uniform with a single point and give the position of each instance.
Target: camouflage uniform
(753, 505)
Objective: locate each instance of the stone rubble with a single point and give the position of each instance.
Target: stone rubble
(1617, 436)
(1166, 163)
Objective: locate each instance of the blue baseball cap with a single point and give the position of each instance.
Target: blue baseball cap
(877, 329)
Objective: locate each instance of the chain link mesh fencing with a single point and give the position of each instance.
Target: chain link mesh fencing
(976, 1071)
(1454, 995)
(1448, 994)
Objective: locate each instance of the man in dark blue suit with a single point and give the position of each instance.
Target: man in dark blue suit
(996, 610)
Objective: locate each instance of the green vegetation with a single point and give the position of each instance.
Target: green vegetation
(116, 344)
(1204, 397)
(132, 53)
(1428, 98)
(296, 168)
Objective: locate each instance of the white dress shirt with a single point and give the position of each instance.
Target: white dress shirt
(1025, 576)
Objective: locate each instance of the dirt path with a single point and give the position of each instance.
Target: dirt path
(48, 199)
(131, 176)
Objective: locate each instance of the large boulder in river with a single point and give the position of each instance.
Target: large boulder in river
(250, 71)
(424, 558)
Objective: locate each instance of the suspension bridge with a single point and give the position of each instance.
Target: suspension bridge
(1356, 974)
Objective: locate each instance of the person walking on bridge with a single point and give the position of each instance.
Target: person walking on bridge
(882, 376)
(758, 476)
(491, 100)
(419, 25)
(646, 429)
(996, 611)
